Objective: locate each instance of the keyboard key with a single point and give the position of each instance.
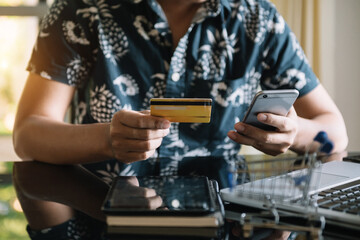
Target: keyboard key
(353, 211)
(348, 185)
(340, 208)
(344, 198)
(330, 205)
(323, 201)
(324, 194)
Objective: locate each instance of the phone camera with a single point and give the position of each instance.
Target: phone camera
(265, 96)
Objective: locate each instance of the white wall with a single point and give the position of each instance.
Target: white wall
(339, 59)
(346, 84)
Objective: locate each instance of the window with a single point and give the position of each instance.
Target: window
(15, 50)
(19, 20)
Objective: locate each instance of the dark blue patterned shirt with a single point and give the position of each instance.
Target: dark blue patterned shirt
(119, 54)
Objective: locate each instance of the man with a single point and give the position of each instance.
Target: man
(110, 57)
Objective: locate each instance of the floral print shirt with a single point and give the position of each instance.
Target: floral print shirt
(119, 54)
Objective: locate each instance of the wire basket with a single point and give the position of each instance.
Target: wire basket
(281, 180)
(276, 187)
(280, 190)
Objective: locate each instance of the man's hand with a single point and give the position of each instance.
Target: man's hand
(130, 195)
(269, 142)
(135, 136)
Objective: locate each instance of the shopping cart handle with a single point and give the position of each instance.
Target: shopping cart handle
(326, 144)
(301, 179)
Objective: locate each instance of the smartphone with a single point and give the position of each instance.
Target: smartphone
(270, 101)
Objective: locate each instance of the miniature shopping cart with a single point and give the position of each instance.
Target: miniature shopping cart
(275, 193)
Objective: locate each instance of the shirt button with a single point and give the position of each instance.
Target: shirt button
(175, 77)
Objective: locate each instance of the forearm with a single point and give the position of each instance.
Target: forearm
(42, 139)
(332, 124)
(72, 186)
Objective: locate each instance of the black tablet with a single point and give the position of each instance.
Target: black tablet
(181, 195)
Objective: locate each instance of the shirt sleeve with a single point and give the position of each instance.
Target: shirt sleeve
(63, 51)
(284, 62)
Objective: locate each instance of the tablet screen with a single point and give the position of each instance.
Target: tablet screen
(184, 195)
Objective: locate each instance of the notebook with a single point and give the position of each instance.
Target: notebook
(188, 201)
(340, 177)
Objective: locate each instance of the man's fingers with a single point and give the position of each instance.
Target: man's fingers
(258, 135)
(134, 136)
(130, 157)
(265, 145)
(139, 202)
(140, 120)
(132, 180)
(131, 145)
(283, 123)
(141, 134)
(143, 192)
(154, 202)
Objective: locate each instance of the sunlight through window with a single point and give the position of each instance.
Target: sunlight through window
(15, 49)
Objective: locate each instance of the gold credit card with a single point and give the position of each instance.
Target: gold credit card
(187, 110)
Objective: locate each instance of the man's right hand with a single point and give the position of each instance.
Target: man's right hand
(134, 136)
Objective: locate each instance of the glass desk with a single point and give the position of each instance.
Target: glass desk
(74, 186)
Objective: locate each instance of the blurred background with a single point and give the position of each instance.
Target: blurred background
(19, 20)
(328, 30)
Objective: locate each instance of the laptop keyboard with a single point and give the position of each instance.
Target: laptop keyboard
(344, 198)
(354, 158)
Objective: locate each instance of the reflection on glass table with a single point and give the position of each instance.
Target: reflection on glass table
(68, 187)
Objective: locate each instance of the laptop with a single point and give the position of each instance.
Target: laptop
(337, 186)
